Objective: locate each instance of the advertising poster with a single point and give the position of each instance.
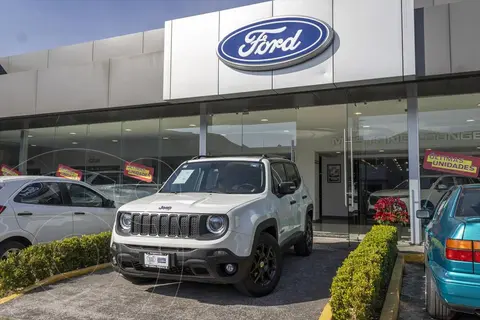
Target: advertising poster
(334, 173)
(451, 163)
(64, 171)
(7, 171)
(138, 171)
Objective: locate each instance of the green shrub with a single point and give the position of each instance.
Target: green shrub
(359, 287)
(41, 261)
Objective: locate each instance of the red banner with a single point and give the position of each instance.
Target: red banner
(7, 171)
(138, 171)
(64, 171)
(451, 163)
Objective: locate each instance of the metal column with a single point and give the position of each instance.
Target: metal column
(23, 152)
(413, 163)
(204, 121)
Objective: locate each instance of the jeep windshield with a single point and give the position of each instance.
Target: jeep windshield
(229, 177)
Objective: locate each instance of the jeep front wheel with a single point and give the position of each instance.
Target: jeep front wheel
(265, 270)
(304, 246)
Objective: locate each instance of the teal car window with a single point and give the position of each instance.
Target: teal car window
(468, 203)
(441, 206)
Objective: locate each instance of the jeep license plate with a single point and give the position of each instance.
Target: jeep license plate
(157, 260)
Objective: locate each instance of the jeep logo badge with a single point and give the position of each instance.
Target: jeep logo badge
(165, 208)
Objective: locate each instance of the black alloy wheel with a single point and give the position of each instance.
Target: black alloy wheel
(264, 265)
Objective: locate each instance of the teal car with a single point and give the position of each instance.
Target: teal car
(452, 253)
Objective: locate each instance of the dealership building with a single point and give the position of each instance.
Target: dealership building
(355, 92)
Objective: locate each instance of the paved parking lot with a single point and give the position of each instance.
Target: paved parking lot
(301, 294)
(412, 300)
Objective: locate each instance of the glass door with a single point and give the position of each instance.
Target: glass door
(375, 159)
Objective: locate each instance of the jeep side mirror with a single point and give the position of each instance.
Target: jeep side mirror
(286, 188)
(424, 214)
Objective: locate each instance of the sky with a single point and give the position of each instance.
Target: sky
(31, 25)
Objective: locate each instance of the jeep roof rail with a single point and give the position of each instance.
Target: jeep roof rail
(270, 156)
(199, 157)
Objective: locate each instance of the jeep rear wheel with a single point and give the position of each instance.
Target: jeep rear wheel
(304, 246)
(433, 302)
(265, 270)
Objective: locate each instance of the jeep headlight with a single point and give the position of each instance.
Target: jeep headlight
(216, 224)
(125, 220)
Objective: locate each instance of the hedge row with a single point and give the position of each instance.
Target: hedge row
(41, 261)
(359, 287)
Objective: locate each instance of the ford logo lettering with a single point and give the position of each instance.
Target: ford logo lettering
(275, 43)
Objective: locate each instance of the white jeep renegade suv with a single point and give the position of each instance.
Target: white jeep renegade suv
(221, 220)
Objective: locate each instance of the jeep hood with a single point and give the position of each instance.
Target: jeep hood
(190, 202)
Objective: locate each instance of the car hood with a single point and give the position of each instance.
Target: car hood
(190, 202)
(391, 193)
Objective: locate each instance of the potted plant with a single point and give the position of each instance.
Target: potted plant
(391, 211)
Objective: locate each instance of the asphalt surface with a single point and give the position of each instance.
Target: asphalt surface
(412, 298)
(302, 293)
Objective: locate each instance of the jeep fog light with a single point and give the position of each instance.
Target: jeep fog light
(216, 224)
(230, 268)
(126, 220)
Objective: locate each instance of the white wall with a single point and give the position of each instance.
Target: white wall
(333, 194)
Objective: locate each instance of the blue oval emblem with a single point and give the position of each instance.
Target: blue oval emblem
(275, 43)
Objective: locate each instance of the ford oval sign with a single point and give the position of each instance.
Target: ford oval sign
(275, 43)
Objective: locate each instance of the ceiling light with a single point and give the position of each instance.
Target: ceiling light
(340, 152)
(264, 120)
(478, 105)
(224, 134)
(381, 150)
(165, 138)
(470, 120)
(428, 149)
(34, 145)
(74, 142)
(192, 125)
(358, 113)
(478, 147)
(114, 141)
(286, 131)
(73, 133)
(366, 126)
(128, 130)
(30, 136)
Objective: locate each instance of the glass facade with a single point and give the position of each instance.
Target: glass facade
(350, 155)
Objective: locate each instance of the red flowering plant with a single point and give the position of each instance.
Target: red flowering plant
(391, 211)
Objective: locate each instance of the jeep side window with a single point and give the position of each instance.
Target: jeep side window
(278, 175)
(292, 174)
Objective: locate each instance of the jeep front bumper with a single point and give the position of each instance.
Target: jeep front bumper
(199, 265)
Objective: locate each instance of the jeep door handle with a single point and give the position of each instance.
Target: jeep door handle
(79, 213)
(304, 197)
(26, 213)
(293, 202)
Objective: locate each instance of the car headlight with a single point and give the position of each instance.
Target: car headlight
(125, 220)
(216, 224)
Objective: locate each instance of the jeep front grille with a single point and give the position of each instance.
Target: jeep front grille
(163, 225)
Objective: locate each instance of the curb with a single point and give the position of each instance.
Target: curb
(414, 258)
(326, 312)
(392, 300)
(54, 279)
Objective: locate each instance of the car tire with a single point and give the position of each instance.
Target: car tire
(267, 255)
(434, 304)
(304, 246)
(10, 247)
